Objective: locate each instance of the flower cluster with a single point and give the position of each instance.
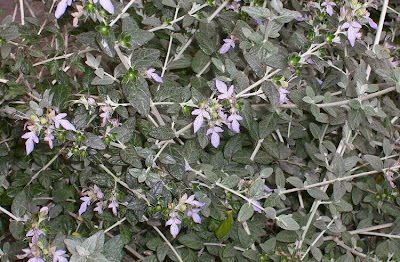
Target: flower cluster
(93, 194)
(50, 123)
(63, 5)
(216, 113)
(36, 251)
(187, 207)
(354, 18)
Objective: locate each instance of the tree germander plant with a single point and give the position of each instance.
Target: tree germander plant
(193, 130)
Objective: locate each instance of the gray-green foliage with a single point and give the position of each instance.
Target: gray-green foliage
(312, 174)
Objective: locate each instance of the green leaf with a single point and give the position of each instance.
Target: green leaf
(375, 162)
(61, 95)
(162, 133)
(230, 181)
(130, 157)
(20, 204)
(268, 125)
(295, 181)
(142, 59)
(206, 44)
(192, 241)
(246, 212)
(258, 13)
(113, 249)
(94, 142)
(138, 36)
(138, 95)
(287, 222)
(269, 245)
(94, 243)
(162, 251)
(199, 61)
(266, 172)
(233, 145)
(226, 225)
(257, 189)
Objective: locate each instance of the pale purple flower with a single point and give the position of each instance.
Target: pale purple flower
(283, 95)
(390, 46)
(389, 178)
(27, 252)
(223, 89)
(173, 222)
(99, 207)
(187, 166)
(268, 189)
(59, 256)
(86, 202)
(191, 201)
(91, 101)
(35, 259)
(31, 139)
(329, 7)
(193, 213)
(92, 194)
(58, 120)
(352, 30)
(319, 81)
(62, 7)
(234, 120)
(258, 22)
(97, 191)
(113, 205)
(393, 63)
(35, 234)
(234, 5)
(107, 5)
(114, 122)
(201, 113)
(309, 60)
(106, 115)
(150, 74)
(256, 208)
(44, 211)
(215, 139)
(49, 137)
(229, 43)
(371, 22)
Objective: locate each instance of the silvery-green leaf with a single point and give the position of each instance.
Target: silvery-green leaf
(246, 212)
(287, 222)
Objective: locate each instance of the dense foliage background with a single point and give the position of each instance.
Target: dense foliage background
(191, 130)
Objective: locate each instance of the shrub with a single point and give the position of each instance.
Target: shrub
(192, 130)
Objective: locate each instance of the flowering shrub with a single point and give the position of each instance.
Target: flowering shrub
(193, 130)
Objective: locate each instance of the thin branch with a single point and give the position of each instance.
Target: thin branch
(258, 146)
(372, 228)
(62, 57)
(343, 245)
(216, 12)
(316, 239)
(259, 82)
(8, 213)
(122, 12)
(115, 225)
(47, 165)
(380, 234)
(22, 13)
(379, 31)
(344, 102)
(323, 183)
(166, 241)
(122, 183)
